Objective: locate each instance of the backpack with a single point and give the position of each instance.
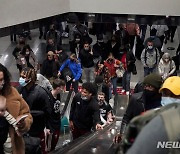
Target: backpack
(146, 55)
(137, 123)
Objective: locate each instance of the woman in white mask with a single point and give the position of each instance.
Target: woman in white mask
(170, 91)
(27, 58)
(166, 66)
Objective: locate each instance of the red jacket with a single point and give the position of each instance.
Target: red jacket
(111, 67)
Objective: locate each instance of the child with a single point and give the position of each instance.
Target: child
(6, 119)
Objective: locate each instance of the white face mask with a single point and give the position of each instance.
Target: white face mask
(166, 60)
(86, 49)
(84, 98)
(150, 47)
(27, 52)
(169, 100)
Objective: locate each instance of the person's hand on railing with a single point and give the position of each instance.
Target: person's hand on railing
(59, 74)
(99, 127)
(118, 138)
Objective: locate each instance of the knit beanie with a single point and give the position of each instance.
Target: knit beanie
(154, 80)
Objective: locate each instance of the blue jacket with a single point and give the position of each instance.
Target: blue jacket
(74, 67)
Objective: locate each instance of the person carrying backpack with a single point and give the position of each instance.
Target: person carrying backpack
(150, 58)
(163, 125)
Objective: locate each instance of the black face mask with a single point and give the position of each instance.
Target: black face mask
(121, 28)
(101, 43)
(72, 60)
(149, 94)
(110, 60)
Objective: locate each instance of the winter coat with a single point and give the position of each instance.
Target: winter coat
(84, 114)
(16, 106)
(49, 68)
(39, 103)
(150, 58)
(137, 105)
(111, 67)
(166, 70)
(75, 68)
(128, 61)
(32, 60)
(86, 58)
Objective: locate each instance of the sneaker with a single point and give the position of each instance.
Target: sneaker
(127, 92)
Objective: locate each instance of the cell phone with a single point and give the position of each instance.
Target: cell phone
(22, 119)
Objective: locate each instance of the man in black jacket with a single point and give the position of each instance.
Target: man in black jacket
(100, 52)
(86, 57)
(39, 104)
(140, 102)
(84, 112)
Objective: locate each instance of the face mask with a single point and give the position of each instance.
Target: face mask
(72, 60)
(99, 84)
(166, 60)
(169, 100)
(84, 98)
(27, 53)
(100, 102)
(149, 94)
(77, 40)
(1, 86)
(110, 60)
(23, 82)
(21, 42)
(86, 49)
(150, 47)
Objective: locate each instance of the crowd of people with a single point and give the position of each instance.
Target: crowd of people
(98, 68)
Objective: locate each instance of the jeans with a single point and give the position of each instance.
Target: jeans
(114, 84)
(74, 85)
(148, 70)
(126, 81)
(89, 74)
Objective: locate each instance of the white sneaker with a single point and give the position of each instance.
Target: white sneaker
(127, 92)
(122, 90)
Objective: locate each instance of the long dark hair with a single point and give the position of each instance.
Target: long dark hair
(30, 74)
(24, 49)
(7, 78)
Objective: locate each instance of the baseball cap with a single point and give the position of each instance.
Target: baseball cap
(172, 84)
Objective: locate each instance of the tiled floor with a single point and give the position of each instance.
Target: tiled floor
(6, 58)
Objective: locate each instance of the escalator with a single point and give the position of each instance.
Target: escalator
(98, 141)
